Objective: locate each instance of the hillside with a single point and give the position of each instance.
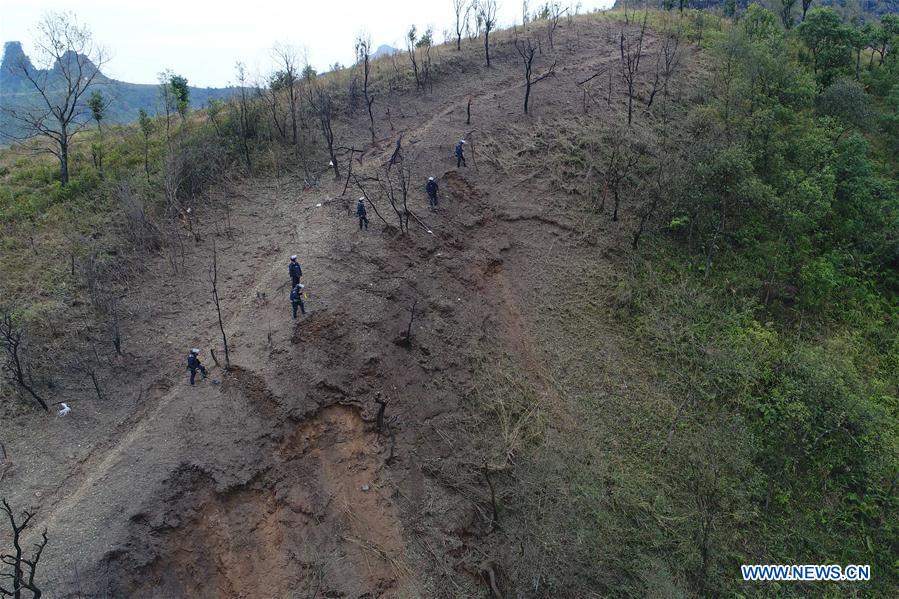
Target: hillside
(124, 99)
(648, 335)
(870, 9)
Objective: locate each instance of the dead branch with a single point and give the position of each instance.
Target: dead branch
(16, 367)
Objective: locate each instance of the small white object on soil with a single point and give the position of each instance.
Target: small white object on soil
(319, 205)
(365, 487)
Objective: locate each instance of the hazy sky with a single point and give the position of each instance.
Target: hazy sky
(202, 40)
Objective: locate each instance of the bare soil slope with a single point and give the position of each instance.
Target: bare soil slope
(271, 480)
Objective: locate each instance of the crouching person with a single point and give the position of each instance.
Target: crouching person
(193, 364)
(296, 299)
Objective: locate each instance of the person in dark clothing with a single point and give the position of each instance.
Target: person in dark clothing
(431, 188)
(296, 299)
(460, 153)
(193, 364)
(362, 213)
(295, 271)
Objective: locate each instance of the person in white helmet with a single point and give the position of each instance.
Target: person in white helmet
(460, 153)
(362, 213)
(296, 299)
(432, 188)
(295, 271)
(193, 364)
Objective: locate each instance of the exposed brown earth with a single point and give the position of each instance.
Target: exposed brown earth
(272, 480)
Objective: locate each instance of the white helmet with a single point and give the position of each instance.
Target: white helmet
(293, 258)
(461, 141)
(195, 350)
(430, 178)
(362, 199)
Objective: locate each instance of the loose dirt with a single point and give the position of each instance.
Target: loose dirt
(272, 479)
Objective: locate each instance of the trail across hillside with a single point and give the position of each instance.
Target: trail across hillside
(274, 479)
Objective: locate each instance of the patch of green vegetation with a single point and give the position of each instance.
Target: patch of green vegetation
(735, 387)
(775, 288)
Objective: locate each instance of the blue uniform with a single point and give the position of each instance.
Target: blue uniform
(193, 364)
(295, 272)
(362, 213)
(431, 188)
(460, 155)
(296, 299)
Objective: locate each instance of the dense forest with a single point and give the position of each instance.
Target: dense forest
(772, 285)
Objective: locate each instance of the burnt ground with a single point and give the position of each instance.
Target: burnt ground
(273, 479)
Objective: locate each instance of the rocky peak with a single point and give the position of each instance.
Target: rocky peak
(13, 56)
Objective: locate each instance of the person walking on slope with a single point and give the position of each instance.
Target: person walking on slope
(460, 154)
(362, 213)
(193, 364)
(296, 299)
(431, 188)
(295, 271)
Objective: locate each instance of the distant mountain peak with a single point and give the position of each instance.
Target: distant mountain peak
(125, 99)
(384, 50)
(13, 56)
(70, 60)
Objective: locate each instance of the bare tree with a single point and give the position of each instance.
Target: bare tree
(363, 55)
(213, 278)
(244, 113)
(352, 151)
(405, 339)
(111, 307)
(72, 64)
(411, 40)
(394, 184)
(631, 50)
(146, 128)
(289, 77)
(425, 42)
(90, 364)
(624, 156)
(473, 33)
(23, 568)
(487, 17)
(267, 92)
(320, 100)
(461, 9)
(667, 58)
(527, 52)
(555, 11)
(16, 367)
